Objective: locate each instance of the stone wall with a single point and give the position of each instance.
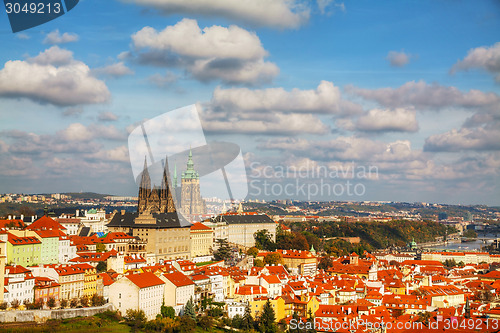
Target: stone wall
(41, 316)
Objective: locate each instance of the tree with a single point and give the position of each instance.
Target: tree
(253, 251)
(258, 263)
(267, 319)
(14, 304)
(73, 303)
(186, 324)
(247, 320)
(223, 251)
(84, 301)
(97, 300)
(51, 302)
(189, 309)
(100, 247)
(3, 306)
(325, 262)
(264, 241)
(236, 321)
(206, 322)
(167, 311)
(273, 258)
(101, 267)
(135, 319)
(64, 303)
(450, 263)
(469, 233)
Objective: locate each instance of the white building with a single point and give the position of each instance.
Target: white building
(95, 220)
(178, 289)
(235, 308)
(19, 284)
(143, 291)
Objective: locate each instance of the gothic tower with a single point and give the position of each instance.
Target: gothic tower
(191, 201)
(155, 200)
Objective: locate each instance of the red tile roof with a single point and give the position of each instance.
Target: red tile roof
(14, 223)
(14, 240)
(44, 223)
(197, 226)
(145, 280)
(179, 279)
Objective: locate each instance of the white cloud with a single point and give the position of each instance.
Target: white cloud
(477, 139)
(398, 59)
(327, 6)
(115, 70)
(422, 95)
(325, 99)
(107, 116)
(486, 58)
(272, 13)
(233, 54)
(23, 36)
(397, 120)
(163, 81)
(52, 77)
(55, 37)
(274, 124)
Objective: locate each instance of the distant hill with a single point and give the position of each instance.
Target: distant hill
(86, 195)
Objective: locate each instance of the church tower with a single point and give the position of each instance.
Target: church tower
(156, 200)
(191, 201)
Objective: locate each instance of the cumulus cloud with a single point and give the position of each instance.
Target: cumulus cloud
(273, 13)
(233, 54)
(55, 37)
(115, 70)
(273, 124)
(107, 116)
(163, 81)
(398, 59)
(325, 99)
(477, 139)
(386, 120)
(486, 58)
(52, 77)
(422, 95)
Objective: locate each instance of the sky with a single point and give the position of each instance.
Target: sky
(327, 100)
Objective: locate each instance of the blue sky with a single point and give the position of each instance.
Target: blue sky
(408, 87)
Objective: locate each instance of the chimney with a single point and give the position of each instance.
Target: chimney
(10, 217)
(22, 217)
(123, 211)
(77, 213)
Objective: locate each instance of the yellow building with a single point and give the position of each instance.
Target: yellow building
(89, 279)
(163, 233)
(278, 305)
(202, 238)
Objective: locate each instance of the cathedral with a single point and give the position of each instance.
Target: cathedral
(155, 200)
(169, 198)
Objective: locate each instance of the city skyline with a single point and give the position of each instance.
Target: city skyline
(407, 89)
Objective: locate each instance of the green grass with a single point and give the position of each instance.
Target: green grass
(78, 325)
(205, 263)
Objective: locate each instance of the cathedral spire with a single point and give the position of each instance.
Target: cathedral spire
(145, 179)
(175, 175)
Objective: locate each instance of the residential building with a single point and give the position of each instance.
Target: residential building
(24, 251)
(19, 284)
(144, 291)
(178, 288)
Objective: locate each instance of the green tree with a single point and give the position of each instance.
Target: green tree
(253, 251)
(135, 319)
(101, 267)
(450, 263)
(267, 319)
(167, 311)
(97, 300)
(186, 324)
(469, 233)
(258, 263)
(264, 240)
(189, 310)
(223, 251)
(14, 304)
(247, 321)
(236, 321)
(73, 303)
(273, 258)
